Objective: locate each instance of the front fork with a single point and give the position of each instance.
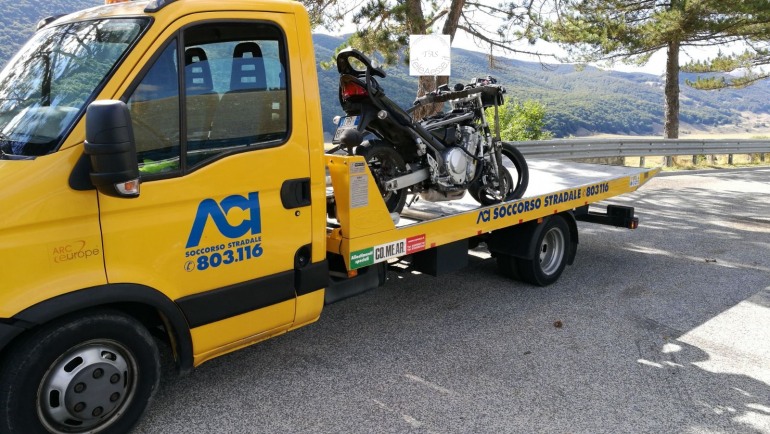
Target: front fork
(497, 186)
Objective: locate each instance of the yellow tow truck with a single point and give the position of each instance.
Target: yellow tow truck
(164, 178)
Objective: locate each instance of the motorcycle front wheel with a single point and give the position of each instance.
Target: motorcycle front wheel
(516, 173)
(385, 163)
(515, 163)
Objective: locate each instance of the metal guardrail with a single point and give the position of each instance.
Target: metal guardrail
(593, 148)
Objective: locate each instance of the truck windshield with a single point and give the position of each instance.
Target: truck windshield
(46, 86)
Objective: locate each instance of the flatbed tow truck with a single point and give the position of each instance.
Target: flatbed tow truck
(212, 108)
(532, 238)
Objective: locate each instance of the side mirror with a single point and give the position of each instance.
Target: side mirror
(110, 144)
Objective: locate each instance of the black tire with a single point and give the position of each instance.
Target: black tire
(385, 163)
(94, 372)
(550, 255)
(483, 197)
(513, 159)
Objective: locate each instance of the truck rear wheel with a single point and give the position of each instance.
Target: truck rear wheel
(508, 266)
(548, 260)
(89, 373)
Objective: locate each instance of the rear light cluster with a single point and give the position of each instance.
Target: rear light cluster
(352, 89)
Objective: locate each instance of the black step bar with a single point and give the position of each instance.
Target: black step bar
(615, 215)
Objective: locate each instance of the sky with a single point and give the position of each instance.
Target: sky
(656, 64)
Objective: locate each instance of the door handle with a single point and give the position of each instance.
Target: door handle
(295, 193)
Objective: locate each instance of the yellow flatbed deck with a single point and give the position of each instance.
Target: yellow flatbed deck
(364, 233)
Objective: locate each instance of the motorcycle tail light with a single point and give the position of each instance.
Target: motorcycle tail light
(351, 89)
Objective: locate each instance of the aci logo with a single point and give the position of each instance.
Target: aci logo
(218, 213)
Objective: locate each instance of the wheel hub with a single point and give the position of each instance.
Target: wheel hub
(86, 387)
(552, 251)
(96, 390)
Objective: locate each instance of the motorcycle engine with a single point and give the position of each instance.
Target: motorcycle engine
(458, 163)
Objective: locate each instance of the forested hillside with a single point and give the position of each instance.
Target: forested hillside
(19, 18)
(577, 102)
(584, 102)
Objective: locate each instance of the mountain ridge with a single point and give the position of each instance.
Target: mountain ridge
(580, 101)
(577, 102)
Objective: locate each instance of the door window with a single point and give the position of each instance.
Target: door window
(154, 107)
(234, 97)
(235, 87)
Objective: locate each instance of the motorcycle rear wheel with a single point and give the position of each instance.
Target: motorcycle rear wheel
(385, 163)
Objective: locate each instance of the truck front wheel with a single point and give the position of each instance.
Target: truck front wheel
(91, 373)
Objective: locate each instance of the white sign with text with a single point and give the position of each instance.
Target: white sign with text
(429, 55)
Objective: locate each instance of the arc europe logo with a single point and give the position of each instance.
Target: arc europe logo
(218, 213)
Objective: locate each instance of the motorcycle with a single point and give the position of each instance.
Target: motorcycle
(438, 158)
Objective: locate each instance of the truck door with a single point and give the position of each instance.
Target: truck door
(224, 212)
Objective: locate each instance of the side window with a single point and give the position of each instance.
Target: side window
(235, 88)
(235, 97)
(154, 107)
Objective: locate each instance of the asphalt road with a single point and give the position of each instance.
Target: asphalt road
(665, 329)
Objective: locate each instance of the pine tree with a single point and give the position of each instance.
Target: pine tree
(384, 26)
(632, 30)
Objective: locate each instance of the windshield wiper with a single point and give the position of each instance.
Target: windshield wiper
(5, 140)
(7, 156)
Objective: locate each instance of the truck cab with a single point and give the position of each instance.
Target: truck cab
(191, 203)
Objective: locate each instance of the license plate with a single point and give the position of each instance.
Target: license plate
(345, 123)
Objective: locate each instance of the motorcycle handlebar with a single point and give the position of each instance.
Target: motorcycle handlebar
(432, 98)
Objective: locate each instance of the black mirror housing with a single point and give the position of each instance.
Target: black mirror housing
(112, 150)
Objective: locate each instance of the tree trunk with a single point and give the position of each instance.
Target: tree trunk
(430, 83)
(425, 84)
(671, 128)
(453, 18)
(671, 123)
(416, 23)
